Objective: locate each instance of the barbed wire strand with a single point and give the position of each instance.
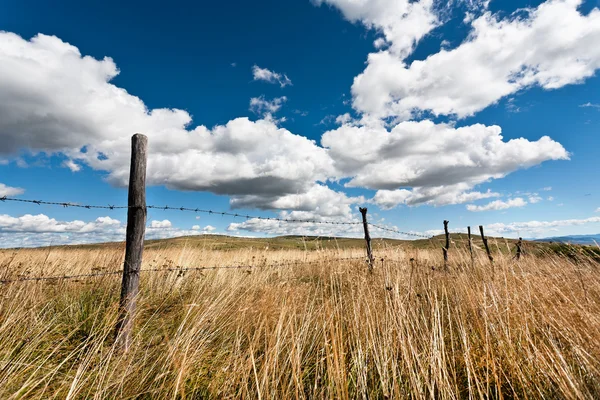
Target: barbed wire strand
(179, 269)
(188, 209)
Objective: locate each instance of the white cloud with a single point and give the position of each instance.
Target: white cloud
(54, 100)
(402, 22)
(266, 75)
(550, 198)
(436, 160)
(40, 230)
(598, 209)
(538, 226)
(74, 167)
(10, 191)
(591, 105)
(278, 228)
(535, 199)
(550, 46)
(436, 196)
(547, 188)
(498, 205)
(261, 106)
(161, 224)
(319, 199)
(209, 229)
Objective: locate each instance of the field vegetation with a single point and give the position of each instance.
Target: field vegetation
(302, 318)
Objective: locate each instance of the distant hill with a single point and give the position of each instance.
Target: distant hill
(573, 239)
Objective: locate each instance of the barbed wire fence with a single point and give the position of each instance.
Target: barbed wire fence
(135, 232)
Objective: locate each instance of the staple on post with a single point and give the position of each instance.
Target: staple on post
(134, 247)
(370, 258)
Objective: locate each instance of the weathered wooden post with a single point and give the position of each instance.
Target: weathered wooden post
(470, 244)
(447, 246)
(485, 243)
(519, 244)
(363, 211)
(134, 246)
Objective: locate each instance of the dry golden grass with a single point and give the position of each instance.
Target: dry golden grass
(327, 329)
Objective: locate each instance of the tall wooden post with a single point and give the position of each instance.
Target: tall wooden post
(470, 244)
(363, 211)
(134, 247)
(445, 248)
(485, 243)
(519, 243)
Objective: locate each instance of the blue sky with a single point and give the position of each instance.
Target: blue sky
(473, 111)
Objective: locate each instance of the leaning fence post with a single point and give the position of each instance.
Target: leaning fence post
(445, 248)
(470, 244)
(519, 243)
(485, 243)
(363, 211)
(134, 246)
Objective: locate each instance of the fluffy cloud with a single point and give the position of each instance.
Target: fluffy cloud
(436, 196)
(40, 230)
(402, 22)
(535, 199)
(498, 205)
(438, 161)
(538, 227)
(278, 228)
(550, 46)
(266, 75)
(10, 191)
(261, 106)
(53, 99)
(319, 199)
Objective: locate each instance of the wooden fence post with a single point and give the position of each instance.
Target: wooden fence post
(445, 248)
(363, 211)
(134, 247)
(519, 243)
(485, 243)
(470, 245)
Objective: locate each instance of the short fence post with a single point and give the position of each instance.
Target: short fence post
(519, 243)
(445, 248)
(363, 211)
(470, 244)
(487, 248)
(134, 247)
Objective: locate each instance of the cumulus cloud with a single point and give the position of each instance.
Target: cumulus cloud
(436, 160)
(278, 228)
(74, 167)
(550, 46)
(436, 196)
(266, 75)
(538, 227)
(402, 22)
(535, 199)
(498, 205)
(10, 191)
(53, 99)
(261, 106)
(40, 230)
(319, 199)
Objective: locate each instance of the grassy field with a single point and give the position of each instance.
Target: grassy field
(322, 328)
